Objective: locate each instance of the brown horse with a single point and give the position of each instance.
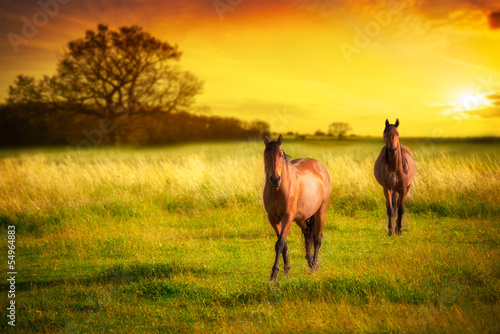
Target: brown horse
(394, 170)
(295, 191)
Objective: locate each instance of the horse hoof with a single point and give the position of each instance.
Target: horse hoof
(314, 267)
(273, 278)
(287, 270)
(399, 232)
(390, 233)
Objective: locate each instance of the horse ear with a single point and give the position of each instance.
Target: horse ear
(386, 122)
(280, 140)
(397, 123)
(266, 140)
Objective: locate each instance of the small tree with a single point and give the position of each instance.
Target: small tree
(339, 129)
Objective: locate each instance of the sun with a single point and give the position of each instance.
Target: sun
(464, 105)
(471, 101)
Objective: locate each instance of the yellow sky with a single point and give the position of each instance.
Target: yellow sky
(301, 65)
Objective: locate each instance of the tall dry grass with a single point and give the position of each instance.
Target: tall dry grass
(201, 176)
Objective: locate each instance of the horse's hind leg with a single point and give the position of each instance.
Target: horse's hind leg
(286, 261)
(307, 230)
(319, 222)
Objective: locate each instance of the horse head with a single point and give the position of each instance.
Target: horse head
(274, 159)
(391, 137)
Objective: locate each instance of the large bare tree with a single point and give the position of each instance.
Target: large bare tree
(119, 74)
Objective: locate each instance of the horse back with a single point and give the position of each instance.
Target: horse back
(312, 177)
(306, 166)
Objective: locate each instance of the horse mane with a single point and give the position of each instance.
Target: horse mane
(273, 147)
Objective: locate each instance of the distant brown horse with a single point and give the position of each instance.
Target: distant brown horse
(394, 170)
(295, 191)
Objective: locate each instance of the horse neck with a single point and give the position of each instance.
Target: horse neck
(396, 164)
(287, 171)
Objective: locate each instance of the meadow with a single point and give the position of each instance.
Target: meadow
(176, 239)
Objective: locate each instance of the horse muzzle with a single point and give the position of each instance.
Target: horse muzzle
(392, 151)
(275, 182)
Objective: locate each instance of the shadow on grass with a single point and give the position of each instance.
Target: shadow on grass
(335, 289)
(352, 289)
(118, 274)
(31, 223)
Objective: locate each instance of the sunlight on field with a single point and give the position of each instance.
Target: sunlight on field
(233, 173)
(176, 239)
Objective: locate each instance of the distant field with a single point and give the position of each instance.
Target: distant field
(176, 239)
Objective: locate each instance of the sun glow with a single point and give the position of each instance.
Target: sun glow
(469, 101)
(467, 106)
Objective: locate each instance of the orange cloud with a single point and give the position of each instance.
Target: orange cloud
(490, 112)
(494, 19)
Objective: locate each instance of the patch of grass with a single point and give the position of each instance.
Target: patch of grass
(176, 240)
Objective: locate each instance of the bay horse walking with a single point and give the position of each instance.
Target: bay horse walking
(394, 170)
(295, 191)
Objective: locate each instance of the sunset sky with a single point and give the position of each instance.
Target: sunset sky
(301, 65)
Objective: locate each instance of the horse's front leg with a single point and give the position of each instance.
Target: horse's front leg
(394, 201)
(401, 210)
(281, 246)
(390, 209)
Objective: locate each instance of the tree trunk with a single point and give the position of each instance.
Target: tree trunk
(111, 129)
(113, 138)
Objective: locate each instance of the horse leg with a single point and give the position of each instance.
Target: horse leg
(394, 201)
(275, 223)
(307, 231)
(401, 210)
(390, 209)
(317, 244)
(279, 247)
(319, 222)
(286, 261)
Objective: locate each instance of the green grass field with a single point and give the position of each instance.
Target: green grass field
(176, 239)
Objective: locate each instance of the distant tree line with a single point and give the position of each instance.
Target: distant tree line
(338, 128)
(114, 87)
(34, 123)
(335, 129)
